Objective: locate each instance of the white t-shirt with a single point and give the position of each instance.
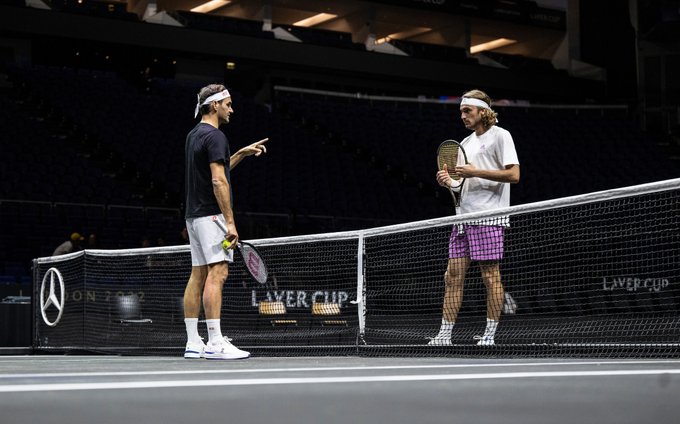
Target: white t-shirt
(493, 150)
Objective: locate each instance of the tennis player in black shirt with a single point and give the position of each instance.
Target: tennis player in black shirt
(208, 195)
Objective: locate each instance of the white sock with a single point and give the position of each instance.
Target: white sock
(490, 327)
(192, 330)
(446, 329)
(214, 330)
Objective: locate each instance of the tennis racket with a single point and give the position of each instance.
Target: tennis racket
(251, 257)
(451, 153)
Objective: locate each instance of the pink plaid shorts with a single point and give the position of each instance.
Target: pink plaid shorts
(478, 242)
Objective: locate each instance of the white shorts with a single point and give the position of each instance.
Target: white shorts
(205, 239)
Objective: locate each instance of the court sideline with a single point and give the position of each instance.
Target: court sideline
(111, 389)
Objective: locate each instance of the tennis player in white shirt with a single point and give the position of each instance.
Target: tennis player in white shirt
(492, 166)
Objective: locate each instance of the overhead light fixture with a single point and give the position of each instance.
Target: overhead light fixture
(403, 34)
(315, 20)
(382, 40)
(210, 6)
(491, 45)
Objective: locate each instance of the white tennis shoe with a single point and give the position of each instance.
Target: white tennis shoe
(194, 350)
(484, 340)
(441, 339)
(223, 349)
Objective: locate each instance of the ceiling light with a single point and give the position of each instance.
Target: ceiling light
(491, 45)
(409, 33)
(210, 6)
(403, 34)
(315, 20)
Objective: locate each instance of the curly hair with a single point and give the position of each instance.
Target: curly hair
(206, 92)
(489, 116)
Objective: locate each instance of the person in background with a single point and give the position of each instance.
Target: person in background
(92, 242)
(183, 236)
(145, 242)
(73, 244)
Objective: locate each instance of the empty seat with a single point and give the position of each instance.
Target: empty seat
(275, 312)
(328, 314)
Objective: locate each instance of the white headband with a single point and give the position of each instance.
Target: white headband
(214, 98)
(474, 102)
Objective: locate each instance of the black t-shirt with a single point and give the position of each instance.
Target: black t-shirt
(205, 144)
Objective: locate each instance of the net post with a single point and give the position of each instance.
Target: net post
(361, 290)
(35, 304)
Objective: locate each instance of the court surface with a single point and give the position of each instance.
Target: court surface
(113, 389)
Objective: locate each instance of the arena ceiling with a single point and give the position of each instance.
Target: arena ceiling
(460, 23)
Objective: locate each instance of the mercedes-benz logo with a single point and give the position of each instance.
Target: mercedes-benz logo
(52, 298)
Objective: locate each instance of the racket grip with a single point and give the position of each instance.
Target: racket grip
(228, 242)
(219, 224)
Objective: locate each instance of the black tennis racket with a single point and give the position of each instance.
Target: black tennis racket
(251, 257)
(451, 153)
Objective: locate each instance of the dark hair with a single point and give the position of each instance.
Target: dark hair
(206, 92)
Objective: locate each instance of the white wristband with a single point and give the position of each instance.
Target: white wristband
(454, 187)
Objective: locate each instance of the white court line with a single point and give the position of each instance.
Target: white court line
(14, 388)
(350, 368)
(81, 358)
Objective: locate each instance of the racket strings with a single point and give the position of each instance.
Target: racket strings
(254, 263)
(449, 155)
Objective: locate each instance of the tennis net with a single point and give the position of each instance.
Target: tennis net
(589, 275)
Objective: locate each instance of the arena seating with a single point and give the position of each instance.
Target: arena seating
(103, 155)
(563, 151)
